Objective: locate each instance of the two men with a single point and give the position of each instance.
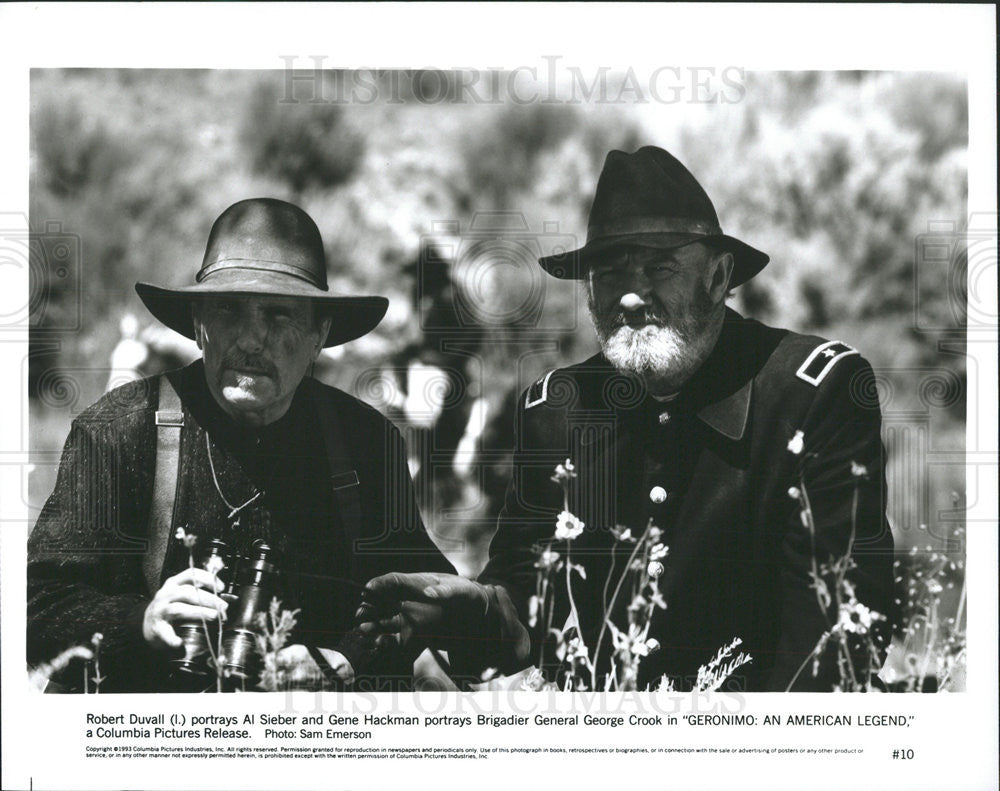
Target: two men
(241, 446)
(716, 429)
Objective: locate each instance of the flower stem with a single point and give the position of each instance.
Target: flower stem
(608, 610)
(572, 604)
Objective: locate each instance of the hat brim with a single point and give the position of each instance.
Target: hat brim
(351, 317)
(573, 265)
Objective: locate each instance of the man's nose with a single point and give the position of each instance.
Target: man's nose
(253, 333)
(637, 287)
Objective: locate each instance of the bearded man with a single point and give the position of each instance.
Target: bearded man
(754, 452)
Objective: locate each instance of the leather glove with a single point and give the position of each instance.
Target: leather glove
(476, 624)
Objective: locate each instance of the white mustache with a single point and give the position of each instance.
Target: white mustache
(647, 314)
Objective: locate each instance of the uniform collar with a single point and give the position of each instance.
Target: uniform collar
(730, 415)
(719, 393)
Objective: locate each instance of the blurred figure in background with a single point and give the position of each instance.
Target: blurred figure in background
(146, 352)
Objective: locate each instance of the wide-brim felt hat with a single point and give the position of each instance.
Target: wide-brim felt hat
(649, 199)
(265, 247)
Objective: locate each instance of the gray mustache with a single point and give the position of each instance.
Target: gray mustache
(620, 318)
(251, 361)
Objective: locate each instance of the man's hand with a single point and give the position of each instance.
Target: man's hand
(446, 612)
(425, 609)
(190, 596)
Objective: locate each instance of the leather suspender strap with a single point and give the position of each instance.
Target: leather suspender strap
(169, 424)
(344, 484)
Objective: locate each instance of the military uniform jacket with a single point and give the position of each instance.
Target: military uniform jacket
(334, 528)
(712, 468)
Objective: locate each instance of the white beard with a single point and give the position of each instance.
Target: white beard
(665, 356)
(650, 351)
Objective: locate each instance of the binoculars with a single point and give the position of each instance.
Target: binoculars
(250, 584)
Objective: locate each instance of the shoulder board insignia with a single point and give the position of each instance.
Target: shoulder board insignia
(538, 392)
(822, 359)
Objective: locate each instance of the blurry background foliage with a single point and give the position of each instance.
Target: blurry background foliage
(443, 207)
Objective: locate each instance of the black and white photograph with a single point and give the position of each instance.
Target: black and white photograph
(524, 379)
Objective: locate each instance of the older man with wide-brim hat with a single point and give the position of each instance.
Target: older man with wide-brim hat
(241, 447)
(745, 457)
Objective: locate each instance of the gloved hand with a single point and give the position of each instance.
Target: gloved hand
(473, 622)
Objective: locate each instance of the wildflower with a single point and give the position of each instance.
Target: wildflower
(794, 492)
(96, 640)
(655, 569)
(659, 551)
(822, 591)
(856, 618)
(818, 652)
(637, 614)
(533, 680)
(564, 472)
(533, 606)
(622, 533)
(40, 676)
(576, 650)
(652, 645)
(858, 470)
(568, 526)
(547, 560)
(214, 565)
(655, 534)
(186, 538)
(796, 443)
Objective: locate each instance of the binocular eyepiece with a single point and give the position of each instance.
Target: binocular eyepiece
(250, 584)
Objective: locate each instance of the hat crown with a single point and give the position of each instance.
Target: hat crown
(266, 234)
(649, 199)
(649, 183)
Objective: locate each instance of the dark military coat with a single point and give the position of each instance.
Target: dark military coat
(86, 552)
(712, 468)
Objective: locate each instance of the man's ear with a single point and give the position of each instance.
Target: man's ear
(720, 272)
(196, 321)
(324, 331)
